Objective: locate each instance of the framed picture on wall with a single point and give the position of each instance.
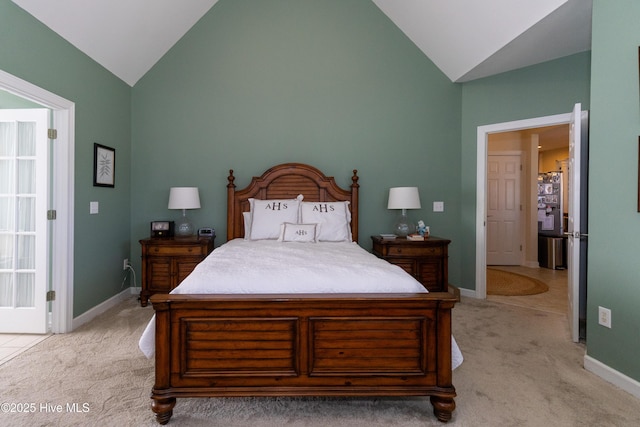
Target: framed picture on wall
(104, 166)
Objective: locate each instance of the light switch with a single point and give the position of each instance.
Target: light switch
(438, 206)
(94, 208)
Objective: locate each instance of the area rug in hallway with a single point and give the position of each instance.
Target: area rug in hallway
(500, 282)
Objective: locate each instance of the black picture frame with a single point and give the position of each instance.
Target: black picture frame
(104, 166)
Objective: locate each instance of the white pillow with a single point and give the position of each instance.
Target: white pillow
(306, 233)
(268, 215)
(334, 218)
(246, 217)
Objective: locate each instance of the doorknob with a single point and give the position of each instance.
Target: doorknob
(576, 234)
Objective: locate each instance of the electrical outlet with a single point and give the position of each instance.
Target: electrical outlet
(125, 264)
(604, 316)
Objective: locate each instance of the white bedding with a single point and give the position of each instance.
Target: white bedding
(267, 266)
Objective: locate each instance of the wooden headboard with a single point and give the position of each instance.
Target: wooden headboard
(286, 181)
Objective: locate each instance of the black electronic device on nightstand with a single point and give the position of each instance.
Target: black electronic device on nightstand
(162, 228)
(207, 232)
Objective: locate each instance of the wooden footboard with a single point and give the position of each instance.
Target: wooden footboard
(303, 345)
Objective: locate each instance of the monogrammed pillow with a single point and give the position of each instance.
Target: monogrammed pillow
(334, 219)
(305, 233)
(268, 215)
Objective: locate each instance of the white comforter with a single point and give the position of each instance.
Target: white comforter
(267, 266)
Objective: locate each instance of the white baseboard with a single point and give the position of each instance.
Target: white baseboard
(609, 374)
(471, 293)
(101, 308)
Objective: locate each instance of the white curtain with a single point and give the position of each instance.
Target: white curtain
(17, 214)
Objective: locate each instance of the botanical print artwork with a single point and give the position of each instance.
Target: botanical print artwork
(104, 160)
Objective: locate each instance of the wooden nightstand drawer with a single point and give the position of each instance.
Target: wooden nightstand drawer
(179, 250)
(409, 250)
(407, 265)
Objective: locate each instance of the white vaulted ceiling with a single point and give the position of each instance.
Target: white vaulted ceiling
(466, 39)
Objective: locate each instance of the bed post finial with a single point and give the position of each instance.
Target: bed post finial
(231, 207)
(354, 205)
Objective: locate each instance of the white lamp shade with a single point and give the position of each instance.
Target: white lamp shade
(184, 198)
(404, 198)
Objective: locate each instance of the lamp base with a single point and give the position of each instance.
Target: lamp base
(184, 227)
(402, 227)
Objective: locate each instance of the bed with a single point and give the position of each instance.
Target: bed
(294, 343)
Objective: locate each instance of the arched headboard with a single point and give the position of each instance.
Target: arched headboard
(286, 181)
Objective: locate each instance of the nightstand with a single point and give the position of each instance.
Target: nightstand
(426, 260)
(167, 261)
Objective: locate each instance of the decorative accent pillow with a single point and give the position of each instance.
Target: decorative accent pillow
(334, 218)
(305, 233)
(268, 215)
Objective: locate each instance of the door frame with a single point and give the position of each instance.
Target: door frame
(62, 229)
(481, 184)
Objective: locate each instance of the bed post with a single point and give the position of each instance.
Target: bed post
(354, 205)
(161, 404)
(444, 404)
(231, 207)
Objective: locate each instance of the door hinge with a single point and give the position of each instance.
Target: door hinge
(51, 296)
(51, 214)
(52, 133)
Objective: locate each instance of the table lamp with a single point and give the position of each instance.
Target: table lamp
(403, 198)
(184, 198)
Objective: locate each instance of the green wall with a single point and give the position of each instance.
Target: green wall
(614, 226)
(34, 53)
(541, 90)
(331, 83)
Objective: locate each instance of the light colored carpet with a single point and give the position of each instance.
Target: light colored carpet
(501, 282)
(520, 369)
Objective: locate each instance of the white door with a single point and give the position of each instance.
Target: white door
(576, 238)
(503, 210)
(24, 239)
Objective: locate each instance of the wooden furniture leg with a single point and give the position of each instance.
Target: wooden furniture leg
(163, 408)
(443, 407)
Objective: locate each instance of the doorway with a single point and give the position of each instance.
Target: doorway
(514, 159)
(576, 230)
(483, 133)
(511, 247)
(61, 196)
